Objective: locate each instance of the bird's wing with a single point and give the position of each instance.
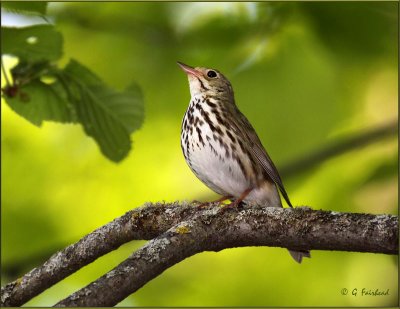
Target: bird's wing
(257, 150)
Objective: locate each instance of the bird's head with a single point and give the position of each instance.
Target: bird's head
(206, 81)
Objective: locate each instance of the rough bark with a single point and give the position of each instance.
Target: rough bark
(181, 230)
(141, 223)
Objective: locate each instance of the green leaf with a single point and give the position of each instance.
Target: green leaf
(127, 105)
(25, 7)
(38, 101)
(106, 115)
(32, 44)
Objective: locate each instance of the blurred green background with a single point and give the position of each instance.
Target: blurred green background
(305, 74)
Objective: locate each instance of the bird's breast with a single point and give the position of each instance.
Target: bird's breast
(213, 156)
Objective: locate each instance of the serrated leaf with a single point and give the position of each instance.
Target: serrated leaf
(25, 7)
(127, 105)
(106, 115)
(32, 44)
(37, 102)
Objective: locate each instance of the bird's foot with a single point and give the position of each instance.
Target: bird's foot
(199, 204)
(203, 205)
(238, 201)
(212, 203)
(232, 206)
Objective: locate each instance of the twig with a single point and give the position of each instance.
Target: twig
(316, 157)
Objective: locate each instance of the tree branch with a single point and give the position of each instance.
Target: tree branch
(306, 162)
(214, 230)
(184, 230)
(318, 156)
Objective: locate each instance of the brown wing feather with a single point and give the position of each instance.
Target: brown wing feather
(257, 150)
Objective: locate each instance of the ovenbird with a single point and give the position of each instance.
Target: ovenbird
(222, 148)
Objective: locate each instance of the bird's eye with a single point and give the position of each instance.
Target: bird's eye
(211, 74)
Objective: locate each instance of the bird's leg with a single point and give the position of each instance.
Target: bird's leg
(219, 201)
(239, 199)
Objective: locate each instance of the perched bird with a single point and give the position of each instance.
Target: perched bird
(222, 148)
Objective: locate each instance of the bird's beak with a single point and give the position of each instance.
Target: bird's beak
(188, 69)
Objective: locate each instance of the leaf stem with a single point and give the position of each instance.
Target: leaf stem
(8, 83)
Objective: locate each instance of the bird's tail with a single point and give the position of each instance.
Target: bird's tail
(298, 255)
